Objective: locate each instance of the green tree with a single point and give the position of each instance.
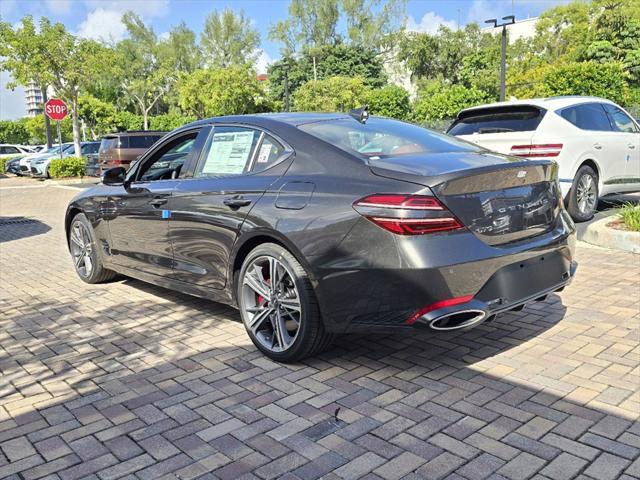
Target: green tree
(331, 94)
(13, 132)
(65, 62)
(339, 60)
(311, 23)
(374, 23)
(229, 39)
(224, 91)
(562, 31)
(390, 101)
(37, 131)
(144, 65)
(181, 50)
(98, 115)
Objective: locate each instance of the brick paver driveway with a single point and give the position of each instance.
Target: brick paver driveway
(130, 380)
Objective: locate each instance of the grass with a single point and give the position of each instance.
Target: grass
(630, 215)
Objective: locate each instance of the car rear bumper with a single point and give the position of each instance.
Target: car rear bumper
(386, 284)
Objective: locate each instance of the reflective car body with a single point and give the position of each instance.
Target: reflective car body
(487, 233)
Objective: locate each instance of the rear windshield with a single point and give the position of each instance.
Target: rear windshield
(108, 143)
(384, 138)
(520, 118)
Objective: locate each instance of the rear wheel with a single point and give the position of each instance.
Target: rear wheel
(583, 196)
(85, 253)
(278, 306)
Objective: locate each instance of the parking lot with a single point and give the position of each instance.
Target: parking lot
(127, 380)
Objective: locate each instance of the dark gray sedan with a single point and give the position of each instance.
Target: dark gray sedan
(319, 224)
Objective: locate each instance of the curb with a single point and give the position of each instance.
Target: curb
(599, 234)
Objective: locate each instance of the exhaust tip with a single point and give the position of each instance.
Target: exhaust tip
(458, 320)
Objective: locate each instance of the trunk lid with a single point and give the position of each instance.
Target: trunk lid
(499, 142)
(500, 199)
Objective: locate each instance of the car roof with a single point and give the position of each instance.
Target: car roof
(133, 133)
(291, 118)
(550, 103)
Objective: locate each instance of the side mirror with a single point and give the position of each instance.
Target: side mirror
(114, 176)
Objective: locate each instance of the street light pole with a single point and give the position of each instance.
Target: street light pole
(509, 19)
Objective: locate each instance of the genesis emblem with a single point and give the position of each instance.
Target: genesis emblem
(521, 174)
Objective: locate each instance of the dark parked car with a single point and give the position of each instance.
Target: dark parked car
(319, 224)
(122, 148)
(13, 166)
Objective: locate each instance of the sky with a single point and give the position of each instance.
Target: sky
(100, 19)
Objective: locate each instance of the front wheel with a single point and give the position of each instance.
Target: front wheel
(84, 251)
(278, 305)
(583, 196)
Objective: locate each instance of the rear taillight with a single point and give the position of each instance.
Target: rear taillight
(435, 306)
(407, 214)
(537, 151)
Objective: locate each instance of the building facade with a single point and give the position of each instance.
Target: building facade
(33, 97)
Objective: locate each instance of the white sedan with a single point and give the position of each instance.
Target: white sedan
(10, 150)
(595, 142)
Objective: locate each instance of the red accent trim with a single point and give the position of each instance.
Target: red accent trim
(416, 226)
(529, 151)
(435, 306)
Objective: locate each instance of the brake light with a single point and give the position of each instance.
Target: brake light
(435, 306)
(407, 214)
(537, 151)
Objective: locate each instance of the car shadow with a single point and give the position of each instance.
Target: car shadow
(179, 369)
(15, 228)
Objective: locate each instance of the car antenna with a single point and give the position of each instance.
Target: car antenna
(360, 114)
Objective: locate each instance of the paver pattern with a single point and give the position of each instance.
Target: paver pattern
(127, 380)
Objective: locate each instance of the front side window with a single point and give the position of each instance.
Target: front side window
(620, 120)
(10, 150)
(384, 138)
(167, 163)
(228, 151)
(588, 116)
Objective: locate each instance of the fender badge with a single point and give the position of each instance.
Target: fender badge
(521, 174)
(166, 213)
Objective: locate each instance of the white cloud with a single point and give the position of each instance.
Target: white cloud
(59, 7)
(429, 23)
(264, 60)
(146, 8)
(102, 24)
(482, 10)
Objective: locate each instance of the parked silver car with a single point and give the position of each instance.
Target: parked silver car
(39, 166)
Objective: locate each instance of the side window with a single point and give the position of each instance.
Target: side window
(167, 163)
(11, 150)
(90, 148)
(589, 116)
(228, 151)
(620, 120)
(269, 152)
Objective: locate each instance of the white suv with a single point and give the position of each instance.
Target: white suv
(595, 142)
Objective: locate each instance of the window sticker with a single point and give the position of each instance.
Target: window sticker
(265, 151)
(229, 153)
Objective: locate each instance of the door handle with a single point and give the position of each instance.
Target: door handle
(236, 202)
(597, 146)
(158, 202)
(631, 146)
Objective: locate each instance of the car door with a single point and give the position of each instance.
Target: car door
(597, 141)
(236, 166)
(628, 134)
(138, 211)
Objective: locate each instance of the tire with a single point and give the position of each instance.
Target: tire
(302, 333)
(81, 234)
(583, 196)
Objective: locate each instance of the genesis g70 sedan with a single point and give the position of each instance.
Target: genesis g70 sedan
(319, 224)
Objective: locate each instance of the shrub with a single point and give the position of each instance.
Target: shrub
(332, 94)
(67, 167)
(630, 214)
(169, 121)
(439, 101)
(390, 101)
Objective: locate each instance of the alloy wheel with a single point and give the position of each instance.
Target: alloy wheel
(271, 303)
(81, 249)
(586, 194)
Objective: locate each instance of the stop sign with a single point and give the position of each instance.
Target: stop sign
(55, 109)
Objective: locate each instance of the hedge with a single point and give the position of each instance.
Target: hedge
(67, 167)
